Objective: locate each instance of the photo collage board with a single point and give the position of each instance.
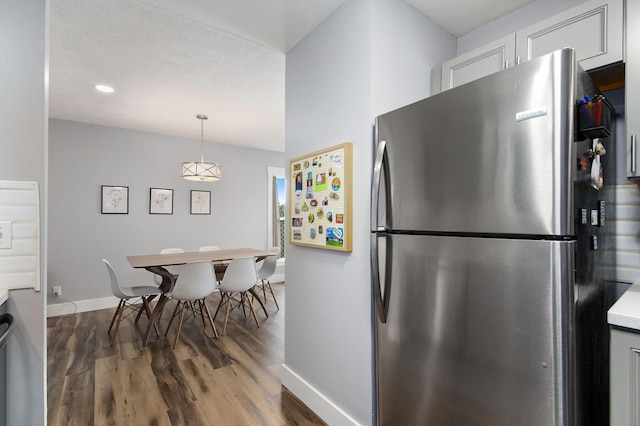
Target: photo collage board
(320, 199)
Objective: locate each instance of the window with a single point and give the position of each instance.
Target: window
(276, 207)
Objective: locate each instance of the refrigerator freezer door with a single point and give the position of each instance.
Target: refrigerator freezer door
(475, 333)
(491, 156)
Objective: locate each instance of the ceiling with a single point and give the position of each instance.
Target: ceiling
(170, 60)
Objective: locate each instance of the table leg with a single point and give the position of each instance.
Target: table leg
(252, 290)
(155, 316)
(168, 281)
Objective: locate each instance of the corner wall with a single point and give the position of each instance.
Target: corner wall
(23, 142)
(368, 57)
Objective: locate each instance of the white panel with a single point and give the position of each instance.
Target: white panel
(626, 214)
(20, 264)
(593, 29)
(478, 63)
(627, 242)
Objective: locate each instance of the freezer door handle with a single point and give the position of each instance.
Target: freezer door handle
(6, 319)
(379, 166)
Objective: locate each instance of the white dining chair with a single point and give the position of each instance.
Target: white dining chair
(175, 270)
(265, 272)
(195, 282)
(140, 293)
(239, 278)
(217, 266)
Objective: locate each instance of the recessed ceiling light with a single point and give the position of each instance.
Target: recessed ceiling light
(104, 89)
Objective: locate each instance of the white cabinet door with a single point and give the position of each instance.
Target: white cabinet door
(625, 377)
(478, 63)
(594, 29)
(632, 89)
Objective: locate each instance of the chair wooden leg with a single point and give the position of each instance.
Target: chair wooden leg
(140, 310)
(179, 325)
(200, 302)
(115, 332)
(222, 297)
(226, 315)
(173, 315)
(206, 308)
(264, 293)
(115, 314)
(244, 310)
(272, 294)
(244, 295)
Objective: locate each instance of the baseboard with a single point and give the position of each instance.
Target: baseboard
(67, 308)
(318, 403)
(276, 278)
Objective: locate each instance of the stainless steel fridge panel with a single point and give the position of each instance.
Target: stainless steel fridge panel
(491, 156)
(476, 332)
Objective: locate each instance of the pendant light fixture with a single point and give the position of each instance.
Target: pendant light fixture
(201, 171)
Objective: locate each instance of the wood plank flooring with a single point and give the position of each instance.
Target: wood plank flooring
(234, 380)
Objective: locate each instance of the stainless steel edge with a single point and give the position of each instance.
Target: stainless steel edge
(566, 74)
(565, 299)
(8, 319)
(633, 154)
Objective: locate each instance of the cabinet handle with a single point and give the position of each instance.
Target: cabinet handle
(518, 60)
(506, 64)
(633, 154)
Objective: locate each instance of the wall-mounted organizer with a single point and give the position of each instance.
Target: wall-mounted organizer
(594, 117)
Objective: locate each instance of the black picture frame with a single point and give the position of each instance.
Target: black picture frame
(160, 201)
(200, 202)
(114, 199)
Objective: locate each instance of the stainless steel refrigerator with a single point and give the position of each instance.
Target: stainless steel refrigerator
(490, 252)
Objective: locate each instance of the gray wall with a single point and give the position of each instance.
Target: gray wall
(85, 156)
(23, 118)
(368, 57)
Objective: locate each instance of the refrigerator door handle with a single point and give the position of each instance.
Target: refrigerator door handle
(382, 300)
(381, 288)
(378, 166)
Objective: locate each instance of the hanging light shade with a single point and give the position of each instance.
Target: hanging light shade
(201, 170)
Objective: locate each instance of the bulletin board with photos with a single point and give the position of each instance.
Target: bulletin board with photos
(320, 199)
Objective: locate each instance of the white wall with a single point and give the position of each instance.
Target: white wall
(368, 57)
(23, 115)
(85, 156)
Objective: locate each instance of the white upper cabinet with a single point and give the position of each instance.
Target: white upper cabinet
(594, 29)
(478, 63)
(632, 89)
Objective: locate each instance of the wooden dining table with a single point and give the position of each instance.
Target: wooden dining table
(157, 263)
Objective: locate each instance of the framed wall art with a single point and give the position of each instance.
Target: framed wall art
(320, 190)
(161, 201)
(200, 202)
(115, 199)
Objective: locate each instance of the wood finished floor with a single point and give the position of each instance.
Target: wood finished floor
(234, 380)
